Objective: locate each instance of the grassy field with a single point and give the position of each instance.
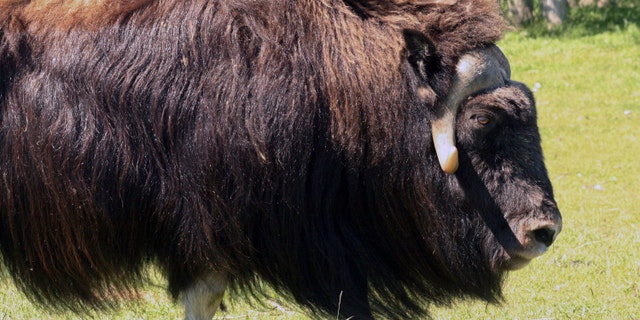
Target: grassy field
(587, 83)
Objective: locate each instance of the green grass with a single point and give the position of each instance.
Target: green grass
(587, 21)
(588, 95)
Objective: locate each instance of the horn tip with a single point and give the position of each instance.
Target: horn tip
(450, 164)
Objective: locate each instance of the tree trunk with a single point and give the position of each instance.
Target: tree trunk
(555, 11)
(519, 11)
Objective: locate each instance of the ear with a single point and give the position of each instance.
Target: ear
(13, 50)
(421, 52)
(4, 64)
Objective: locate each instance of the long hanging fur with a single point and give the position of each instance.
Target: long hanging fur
(276, 138)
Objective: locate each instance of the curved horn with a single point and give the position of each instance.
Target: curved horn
(476, 71)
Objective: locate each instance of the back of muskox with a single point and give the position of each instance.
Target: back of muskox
(109, 155)
(212, 137)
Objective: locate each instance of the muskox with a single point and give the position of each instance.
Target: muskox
(362, 157)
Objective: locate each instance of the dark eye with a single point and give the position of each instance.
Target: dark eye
(481, 119)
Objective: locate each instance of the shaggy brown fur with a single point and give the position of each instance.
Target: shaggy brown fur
(279, 138)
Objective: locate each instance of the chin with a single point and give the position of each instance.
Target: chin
(514, 263)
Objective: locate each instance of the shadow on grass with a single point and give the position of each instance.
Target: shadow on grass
(590, 20)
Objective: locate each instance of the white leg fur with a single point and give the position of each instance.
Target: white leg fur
(202, 299)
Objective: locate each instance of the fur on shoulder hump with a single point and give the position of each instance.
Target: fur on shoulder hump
(455, 26)
(67, 13)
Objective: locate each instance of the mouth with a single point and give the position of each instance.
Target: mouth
(514, 262)
(518, 259)
(527, 243)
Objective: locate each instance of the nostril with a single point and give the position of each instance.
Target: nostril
(545, 235)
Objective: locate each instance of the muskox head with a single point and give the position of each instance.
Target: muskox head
(502, 172)
(486, 138)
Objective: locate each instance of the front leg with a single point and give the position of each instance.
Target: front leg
(202, 299)
(353, 299)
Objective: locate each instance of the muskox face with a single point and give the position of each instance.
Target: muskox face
(485, 135)
(503, 175)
